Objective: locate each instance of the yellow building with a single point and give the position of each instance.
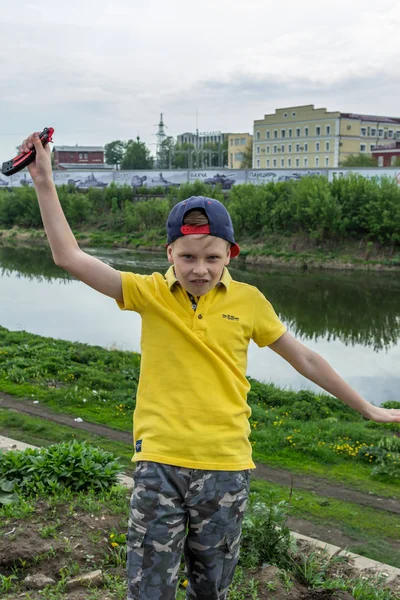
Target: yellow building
(304, 137)
(237, 144)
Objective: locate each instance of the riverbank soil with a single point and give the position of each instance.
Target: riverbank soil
(60, 541)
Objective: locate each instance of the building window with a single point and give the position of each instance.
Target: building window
(267, 134)
(275, 134)
(257, 135)
(297, 162)
(231, 141)
(373, 132)
(237, 141)
(289, 162)
(363, 148)
(267, 149)
(282, 162)
(327, 161)
(283, 148)
(275, 149)
(242, 141)
(85, 155)
(393, 161)
(316, 146)
(305, 147)
(290, 132)
(289, 147)
(317, 161)
(297, 132)
(318, 130)
(293, 114)
(371, 147)
(390, 133)
(285, 115)
(306, 162)
(283, 133)
(297, 147)
(363, 131)
(274, 162)
(258, 162)
(380, 161)
(306, 131)
(80, 155)
(380, 132)
(258, 150)
(327, 146)
(328, 130)
(267, 162)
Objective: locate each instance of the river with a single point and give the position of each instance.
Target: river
(351, 318)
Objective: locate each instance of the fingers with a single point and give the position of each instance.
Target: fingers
(33, 141)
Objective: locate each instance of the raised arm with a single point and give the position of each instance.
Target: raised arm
(311, 365)
(64, 247)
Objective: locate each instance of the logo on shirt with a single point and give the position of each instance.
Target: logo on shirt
(138, 446)
(230, 317)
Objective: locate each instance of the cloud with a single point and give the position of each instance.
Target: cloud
(98, 71)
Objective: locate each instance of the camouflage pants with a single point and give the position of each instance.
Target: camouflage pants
(175, 510)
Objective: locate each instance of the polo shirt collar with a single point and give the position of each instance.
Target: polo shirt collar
(172, 280)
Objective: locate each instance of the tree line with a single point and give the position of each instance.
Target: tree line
(347, 208)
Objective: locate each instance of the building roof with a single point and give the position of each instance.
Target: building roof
(386, 147)
(78, 149)
(84, 166)
(371, 118)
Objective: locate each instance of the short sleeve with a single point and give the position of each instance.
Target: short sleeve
(267, 327)
(136, 291)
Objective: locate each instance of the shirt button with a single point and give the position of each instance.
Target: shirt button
(200, 317)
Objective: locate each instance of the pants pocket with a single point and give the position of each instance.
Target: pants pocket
(134, 560)
(231, 549)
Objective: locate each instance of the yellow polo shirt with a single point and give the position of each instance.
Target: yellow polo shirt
(191, 407)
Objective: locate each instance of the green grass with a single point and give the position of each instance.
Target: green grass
(378, 528)
(299, 431)
(37, 432)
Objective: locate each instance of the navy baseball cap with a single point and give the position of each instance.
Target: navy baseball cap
(219, 221)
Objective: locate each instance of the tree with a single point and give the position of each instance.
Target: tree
(165, 156)
(359, 160)
(114, 152)
(137, 156)
(247, 160)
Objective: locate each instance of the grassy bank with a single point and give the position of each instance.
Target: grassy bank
(300, 431)
(262, 251)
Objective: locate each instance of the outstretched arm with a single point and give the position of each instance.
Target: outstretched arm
(64, 247)
(311, 365)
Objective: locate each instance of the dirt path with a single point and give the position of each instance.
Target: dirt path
(318, 485)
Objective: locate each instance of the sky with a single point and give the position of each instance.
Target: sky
(99, 71)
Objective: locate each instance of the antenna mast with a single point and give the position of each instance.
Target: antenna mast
(161, 137)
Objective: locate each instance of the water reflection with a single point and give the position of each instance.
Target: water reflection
(353, 308)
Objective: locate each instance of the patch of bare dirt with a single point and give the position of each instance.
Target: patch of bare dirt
(78, 540)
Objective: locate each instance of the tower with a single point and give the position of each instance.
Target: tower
(160, 149)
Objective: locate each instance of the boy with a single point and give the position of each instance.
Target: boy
(191, 420)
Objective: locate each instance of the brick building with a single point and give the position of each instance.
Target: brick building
(71, 157)
(387, 155)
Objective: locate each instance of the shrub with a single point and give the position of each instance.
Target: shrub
(265, 536)
(73, 465)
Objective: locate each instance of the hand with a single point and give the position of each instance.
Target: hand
(384, 415)
(40, 169)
